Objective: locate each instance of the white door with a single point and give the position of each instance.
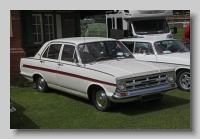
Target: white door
(69, 72)
(48, 63)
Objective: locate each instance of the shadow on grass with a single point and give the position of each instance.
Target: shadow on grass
(20, 121)
(137, 107)
(71, 96)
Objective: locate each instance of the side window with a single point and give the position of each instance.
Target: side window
(141, 47)
(119, 23)
(68, 53)
(129, 45)
(52, 51)
(113, 22)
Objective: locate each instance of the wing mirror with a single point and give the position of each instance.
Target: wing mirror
(73, 60)
(175, 30)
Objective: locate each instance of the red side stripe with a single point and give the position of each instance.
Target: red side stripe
(69, 74)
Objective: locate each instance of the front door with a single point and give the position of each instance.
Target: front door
(68, 71)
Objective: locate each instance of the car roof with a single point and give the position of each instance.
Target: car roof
(79, 40)
(153, 39)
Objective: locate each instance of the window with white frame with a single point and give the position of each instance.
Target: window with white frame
(37, 28)
(48, 27)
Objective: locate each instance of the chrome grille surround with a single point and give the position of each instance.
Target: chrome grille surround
(146, 81)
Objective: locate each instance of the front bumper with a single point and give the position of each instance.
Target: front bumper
(126, 96)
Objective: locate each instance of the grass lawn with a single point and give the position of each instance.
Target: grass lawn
(179, 34)
(58, 110)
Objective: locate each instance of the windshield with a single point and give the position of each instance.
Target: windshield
(153, 26)
(98, 51)
(170, 46)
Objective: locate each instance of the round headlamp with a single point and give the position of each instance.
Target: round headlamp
(121, 85)
(170, 77)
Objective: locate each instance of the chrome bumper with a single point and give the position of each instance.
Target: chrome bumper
(143, 92)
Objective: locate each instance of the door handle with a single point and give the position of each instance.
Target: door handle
(60, 64)
(42, 61)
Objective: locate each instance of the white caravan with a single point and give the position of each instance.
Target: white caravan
(140, 23)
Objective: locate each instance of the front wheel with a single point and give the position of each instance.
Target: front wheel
(41, 84)
(100, 100)
(183, 80)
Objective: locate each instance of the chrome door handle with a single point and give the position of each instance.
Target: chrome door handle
(60, 64)
(42, 61)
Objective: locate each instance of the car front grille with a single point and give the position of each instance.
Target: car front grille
(146, 81)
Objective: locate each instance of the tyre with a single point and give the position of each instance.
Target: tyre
(41, 84)
(100, 100)
(183, 80)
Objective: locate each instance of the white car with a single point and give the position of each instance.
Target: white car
(170, 52)
(99, 69)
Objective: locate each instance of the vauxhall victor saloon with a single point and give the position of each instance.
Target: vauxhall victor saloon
(102, 70)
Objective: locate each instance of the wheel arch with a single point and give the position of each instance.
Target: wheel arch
(35, 76)
(91, 89)
(180, 69)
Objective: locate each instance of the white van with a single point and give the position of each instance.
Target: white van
(140, 23)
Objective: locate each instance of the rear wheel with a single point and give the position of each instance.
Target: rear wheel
(41, 84)
(100, 100)
(183, 80)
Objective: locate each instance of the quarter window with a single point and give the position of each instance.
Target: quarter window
(52, 51)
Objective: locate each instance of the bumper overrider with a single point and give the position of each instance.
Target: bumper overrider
(138, 93)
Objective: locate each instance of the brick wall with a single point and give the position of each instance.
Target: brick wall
(16, 50)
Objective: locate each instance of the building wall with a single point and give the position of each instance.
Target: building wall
(16, 50)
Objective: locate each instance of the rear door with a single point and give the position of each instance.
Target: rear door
(49, 62)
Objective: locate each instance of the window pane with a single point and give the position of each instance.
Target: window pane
(35, 37)
(38, 19)
(33, 20)
(39, 38)
(47, 37)
(50, 28)
(50, 19)
(39, 28)
(54, 51)
(67, 53)
(34, 29)
(46, 28)
(46, 19)
(71, 21)
(51, 36)
(66, 22)
(45, 53)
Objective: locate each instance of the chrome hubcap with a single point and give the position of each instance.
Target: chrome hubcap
(41, 83)
(185, 80)
(101, 98)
